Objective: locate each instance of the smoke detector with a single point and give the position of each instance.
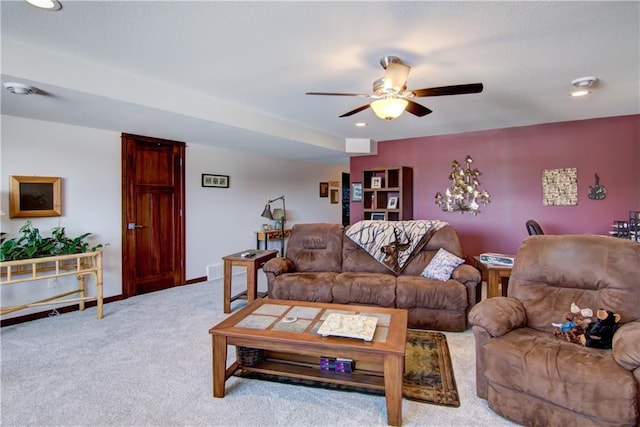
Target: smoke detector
(584, 82)
(20, 89)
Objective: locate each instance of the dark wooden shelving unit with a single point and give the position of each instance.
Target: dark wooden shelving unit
(394, 182)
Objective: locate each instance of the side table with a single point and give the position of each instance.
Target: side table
(494, 274)
(252, 265)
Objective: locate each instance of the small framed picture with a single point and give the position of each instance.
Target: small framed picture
(266, 227)
(376, 182)
(324, 189)
(334, 196)
(392, 203)
(356, 192)
(378, 216)
(219, 181)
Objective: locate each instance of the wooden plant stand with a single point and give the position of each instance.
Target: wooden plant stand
(79, 265)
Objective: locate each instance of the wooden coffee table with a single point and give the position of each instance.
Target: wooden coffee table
(261, 325)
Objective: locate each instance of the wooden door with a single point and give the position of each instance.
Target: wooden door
(153, 242)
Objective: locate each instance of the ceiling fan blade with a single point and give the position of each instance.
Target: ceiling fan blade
(357, 110)
(363, 95)
(396, 75)
(449, 90)
(417, 109)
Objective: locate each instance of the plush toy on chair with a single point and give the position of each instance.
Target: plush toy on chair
(599, 334)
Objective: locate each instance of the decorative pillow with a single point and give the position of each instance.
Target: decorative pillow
(442, 265)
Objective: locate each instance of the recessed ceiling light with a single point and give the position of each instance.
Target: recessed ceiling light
(580, 92)
(583, 84)
(51, 5)
(361, 124)
(19, 88)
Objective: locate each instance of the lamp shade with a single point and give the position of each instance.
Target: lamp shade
(389, 108)
(278, 214)
(267, 211)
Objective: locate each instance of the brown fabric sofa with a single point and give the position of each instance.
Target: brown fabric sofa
(322, 264)
(536, 379)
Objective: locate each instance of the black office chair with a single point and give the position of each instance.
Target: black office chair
(534, 228)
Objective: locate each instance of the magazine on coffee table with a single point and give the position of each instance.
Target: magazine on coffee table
(349, 326)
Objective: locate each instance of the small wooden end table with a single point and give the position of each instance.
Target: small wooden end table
(494, 274)
(252, 263)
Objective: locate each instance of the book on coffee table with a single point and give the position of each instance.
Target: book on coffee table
(349, 326)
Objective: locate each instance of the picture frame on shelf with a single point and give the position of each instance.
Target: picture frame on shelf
(376, 182)
(35, 196)
(335, 198)
(215, 181)
(266, 227)
(356, 192)
(392, 203)
(324, 189)
(378, 216)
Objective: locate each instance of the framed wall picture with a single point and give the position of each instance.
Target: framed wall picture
(392, 203)
(356, 192)
(335, 196)
(376, 182)
(35, 196)
(219, 181)
(324, 189)
(378, 216)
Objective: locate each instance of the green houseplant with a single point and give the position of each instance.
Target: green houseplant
(30, 244)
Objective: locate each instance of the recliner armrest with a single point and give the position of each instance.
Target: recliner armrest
(498, 315)
(626, 345)
(278, 266)
(466, 273)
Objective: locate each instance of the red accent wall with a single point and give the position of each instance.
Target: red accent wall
(511, 161)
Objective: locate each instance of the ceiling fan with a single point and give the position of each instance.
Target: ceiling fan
(391, 96)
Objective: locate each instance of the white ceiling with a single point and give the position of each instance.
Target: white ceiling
(234, 74)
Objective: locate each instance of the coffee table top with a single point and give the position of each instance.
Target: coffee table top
(269, 320)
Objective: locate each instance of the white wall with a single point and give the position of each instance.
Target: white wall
(219, 221)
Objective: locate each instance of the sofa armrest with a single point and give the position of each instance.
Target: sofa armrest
(626, 345)
(278, 266)
(466, 274)
(498, 315)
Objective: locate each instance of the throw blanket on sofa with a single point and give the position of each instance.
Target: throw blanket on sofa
(392, 243)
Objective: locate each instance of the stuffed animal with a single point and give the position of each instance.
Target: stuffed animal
(599, 334)
(574, 328)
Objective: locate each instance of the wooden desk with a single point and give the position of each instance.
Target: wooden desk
(252, 265)
(494, 275)
(266, 235)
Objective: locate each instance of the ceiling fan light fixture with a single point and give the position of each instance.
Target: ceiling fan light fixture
(389, 108)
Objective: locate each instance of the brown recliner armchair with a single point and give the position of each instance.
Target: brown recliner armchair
(536, 379)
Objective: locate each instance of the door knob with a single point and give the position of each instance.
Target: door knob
(133, 226)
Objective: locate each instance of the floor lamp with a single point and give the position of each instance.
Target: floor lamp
(278, 215)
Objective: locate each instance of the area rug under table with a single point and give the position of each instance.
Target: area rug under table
(428, 373)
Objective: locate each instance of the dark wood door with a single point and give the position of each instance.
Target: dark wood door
(153, 242)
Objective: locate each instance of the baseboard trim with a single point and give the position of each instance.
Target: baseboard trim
(75, 307)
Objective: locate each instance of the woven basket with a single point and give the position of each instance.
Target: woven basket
(247, 356)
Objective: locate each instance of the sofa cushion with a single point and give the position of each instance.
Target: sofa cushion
(316, 247)
(314, 287)
(536, 363)
(441, 266)
(356, 259)
(446, 238)
(365, 288)
(416, 291)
